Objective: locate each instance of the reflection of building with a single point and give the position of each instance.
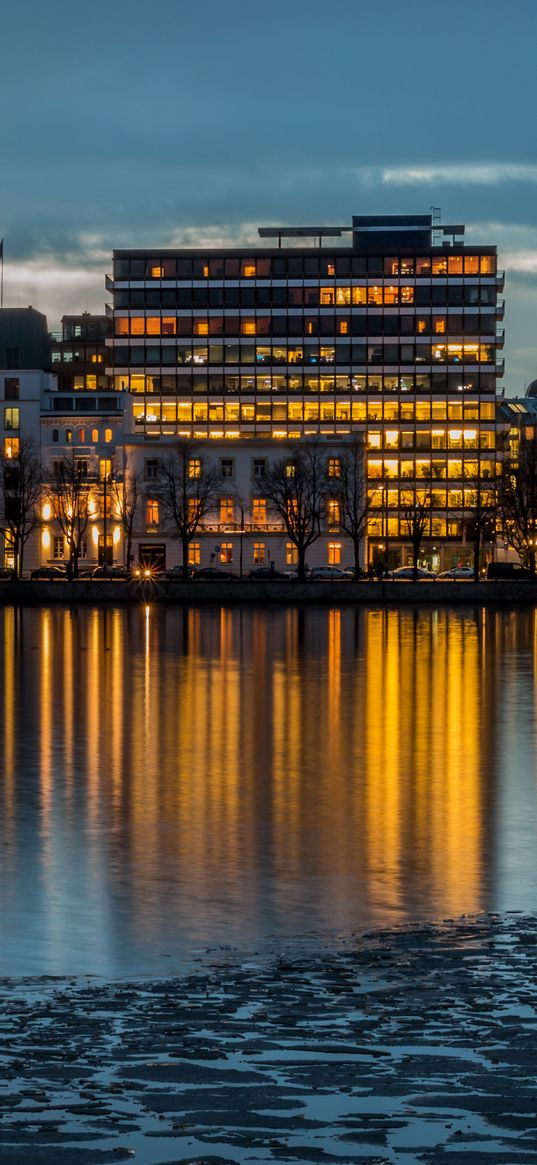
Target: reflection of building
(392, 334)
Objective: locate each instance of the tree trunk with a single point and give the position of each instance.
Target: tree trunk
(477, 555)
(357, 568)
(301, 565)
(185, 544)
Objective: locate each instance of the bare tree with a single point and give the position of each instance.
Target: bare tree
(127, 495)
(480, 502)
(346, 484)
(188, 490)
(69, 490)
(518, 500)
(20, 497)
(295, 488)
(415, 518)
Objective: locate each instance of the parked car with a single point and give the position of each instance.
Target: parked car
(49, 572)
(176, 573)
(333, 573)
(458, 572)
(7, 574)
(508, 572)
(407, 573)
(112, 573)
(260, 573)
(213, 574)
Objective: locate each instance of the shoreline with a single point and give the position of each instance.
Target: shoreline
(387, 1046)
(243, 592)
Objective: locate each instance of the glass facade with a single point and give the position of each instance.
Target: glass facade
(395, 336)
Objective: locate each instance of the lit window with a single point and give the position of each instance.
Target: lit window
(68, 436)
(248, 269)
(82, 436)
(259, 511)
(157, 272)
(291, 554)
(334, 467)
(331, 269)
(290, 469)
(94, 435)
(151, 512)
(108, 435)
(259, 553)
(201, 328)
(11, 418)
(226, 553)
(334, 553)
(227, 509)
(194, 553)
(105, 468)
(248, 327)
(58, 546)
(343, 327)
(333, 512)
(194, 467)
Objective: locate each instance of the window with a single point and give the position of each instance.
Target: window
(68, 436)
(226, 467)
(11, 448)
(55, 434)
(334, 553)
(105, 468)
(94, 436)
(194, 467)
(259, 512)
(108, 435)
(81, 465)
(259, 553)
(290, 469)
(151, 513)
(11, 388)
(58, 546)
(83, 548)
(11, 418)
(226, 553)
(194, 553)
(82, 436)
(291, 554)
(259, 467)
(227, 509)
(333, 512)
(334, 467)
(12, 358)
(151, 469)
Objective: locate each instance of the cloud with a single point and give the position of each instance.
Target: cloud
(464, 173)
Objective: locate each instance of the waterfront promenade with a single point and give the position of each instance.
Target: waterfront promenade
(239, 592)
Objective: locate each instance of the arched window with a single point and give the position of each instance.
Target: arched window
(82, 436)
(68, 436)
(108, 435)
(55, 434)
(94, 436)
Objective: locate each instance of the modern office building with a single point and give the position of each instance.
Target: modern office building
(386, 327)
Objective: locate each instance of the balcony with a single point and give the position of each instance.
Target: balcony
(500, 280)
(109, 283)
(500, 367)
(500, 338)
(500, 309)
(109, 311)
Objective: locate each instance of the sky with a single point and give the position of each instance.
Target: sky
(185, 123)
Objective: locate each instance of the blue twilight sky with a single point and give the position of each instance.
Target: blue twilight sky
(172, 123)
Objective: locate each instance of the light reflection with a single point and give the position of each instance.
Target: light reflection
(227, 774)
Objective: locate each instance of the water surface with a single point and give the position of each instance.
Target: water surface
(173, 780)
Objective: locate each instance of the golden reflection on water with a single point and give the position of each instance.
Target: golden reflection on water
(255, 771)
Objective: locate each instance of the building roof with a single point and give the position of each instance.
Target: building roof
(24, 341)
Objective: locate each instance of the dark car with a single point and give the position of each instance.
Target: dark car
(7, 574)
(112, 573)
(261, 573)
(48, 572)
(175, 573)
(213, 574)
(508, 572)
